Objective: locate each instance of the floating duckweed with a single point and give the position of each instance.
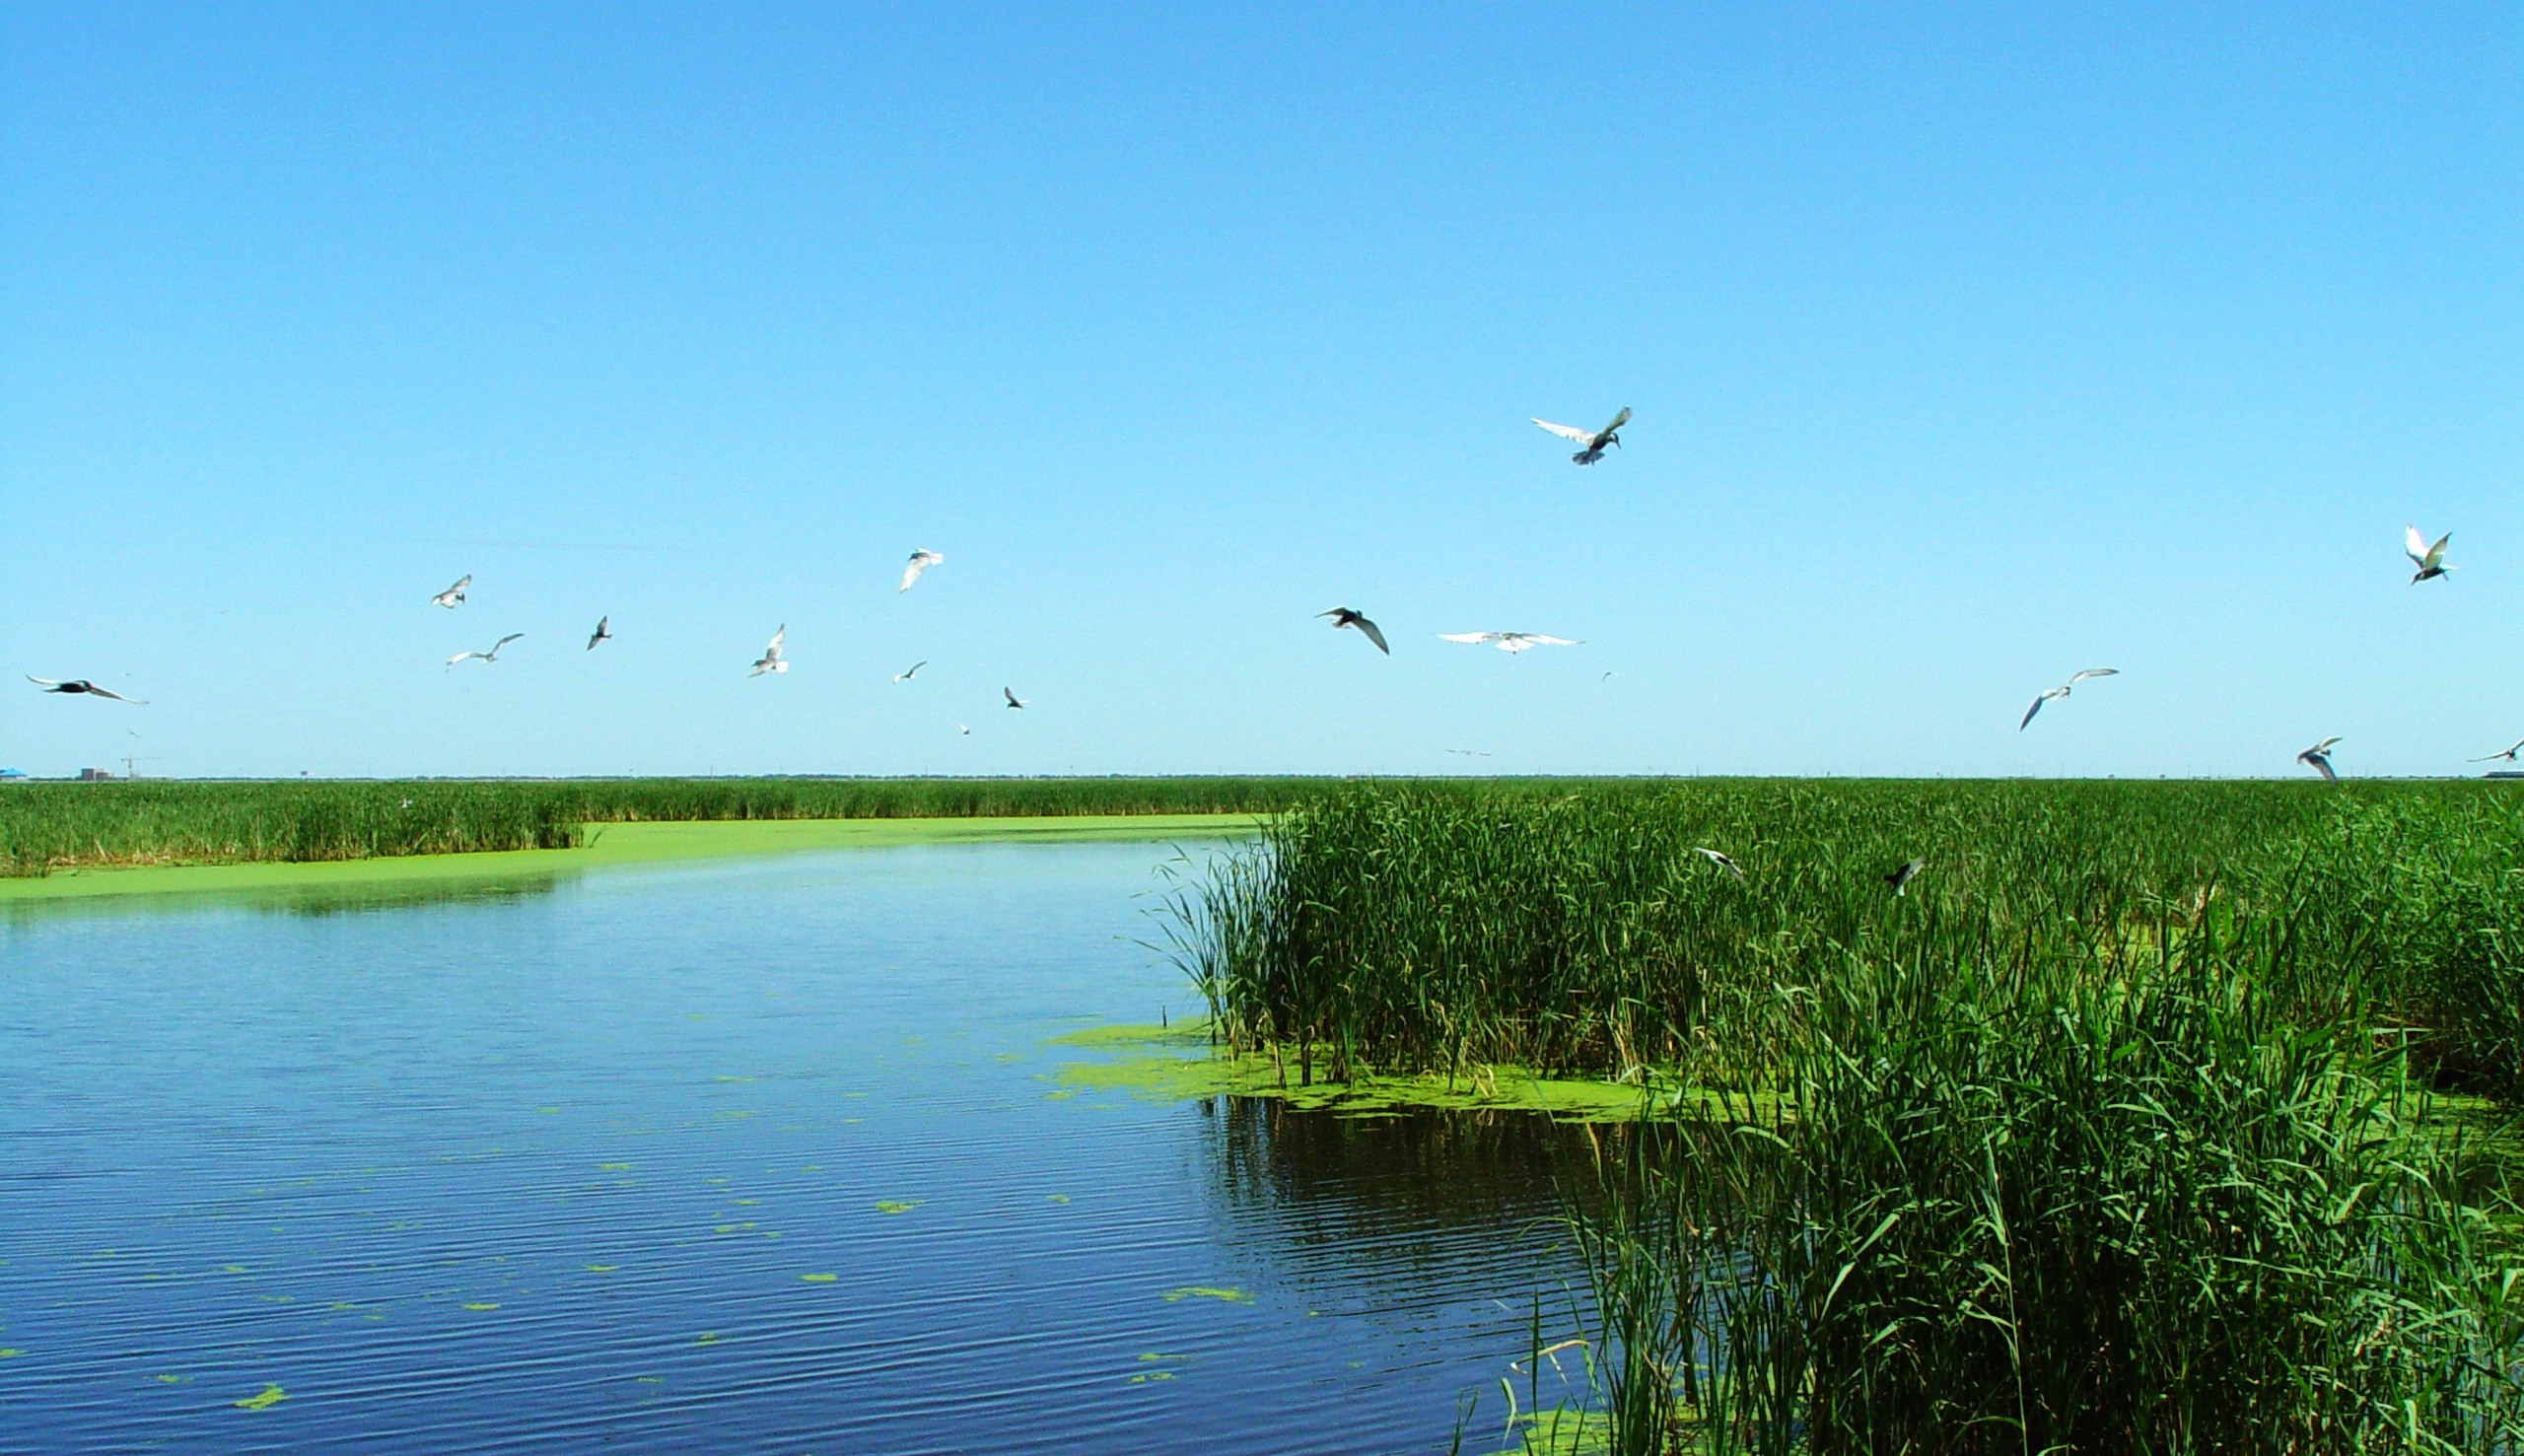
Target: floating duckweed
(11, 1353)
(600, 1268)
(272, 1395)
(1204, 1291)
(896, 1206)
(708, 1337)
(613, 1167)
(819, 1279)
(1143, 1379)
(171, 1380)
(478, 1307)
(748, 1202)
(1056, 1198)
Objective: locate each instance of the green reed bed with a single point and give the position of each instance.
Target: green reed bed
(54, 825)
(2129, 1127)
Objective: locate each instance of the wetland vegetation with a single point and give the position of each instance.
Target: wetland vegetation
(2149, 1116)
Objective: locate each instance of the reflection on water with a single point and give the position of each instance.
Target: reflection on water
(347, 897)
(740, 1155)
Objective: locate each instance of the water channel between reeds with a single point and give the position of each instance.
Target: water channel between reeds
(747, 1154)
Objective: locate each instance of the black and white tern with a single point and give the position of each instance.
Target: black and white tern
(1591, 443)
(1343, 616)
(2061, 691)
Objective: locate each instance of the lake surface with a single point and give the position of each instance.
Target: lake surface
(768, 1154)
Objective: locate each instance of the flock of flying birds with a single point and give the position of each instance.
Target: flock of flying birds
(2429, 557)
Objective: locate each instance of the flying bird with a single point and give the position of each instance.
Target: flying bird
(2318, 758)
(2431, 559)
(1508, 642)
(1469, 753)
(2061, 691)
(1722, 862)
(921, 561)
(83, 685)
(492, 656)
(964, 728)
(1342, 617)
(1013, 701)
(2509, 753)
(771, 660)
(1901, 875)
(602, 633)
(1591, 443)
(453, 595)
(906, 674)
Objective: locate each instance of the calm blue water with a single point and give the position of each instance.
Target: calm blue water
(601, 1164)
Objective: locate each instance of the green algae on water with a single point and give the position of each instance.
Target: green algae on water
(820, 1278)
(1177, 1063)
(272, 1395)
(1204, 1291)
(896, 1205)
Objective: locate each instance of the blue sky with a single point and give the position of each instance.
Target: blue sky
(1969, 347)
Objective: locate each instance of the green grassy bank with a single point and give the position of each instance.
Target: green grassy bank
(2151, 1117)
(47, 828)
(604, 845)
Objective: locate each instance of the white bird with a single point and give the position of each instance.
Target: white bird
(1722, 862)
(2061, 691)
(492, 656)
(921, 561)
(1469, 753)
(76, 685)
(906, 674)
(771, 660)
(1013, 701)
(1901, 875)
(1591, 443)
(453, 595)
(1508, 642)
(2431, 559)
(2509, 753)
(602, 633)
(964, 728)
(2318, 758)
(1342, 617)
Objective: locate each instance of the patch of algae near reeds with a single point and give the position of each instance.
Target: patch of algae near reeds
(1174, 1064)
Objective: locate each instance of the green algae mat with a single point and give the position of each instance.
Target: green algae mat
(618, 844)
(1159, 1064)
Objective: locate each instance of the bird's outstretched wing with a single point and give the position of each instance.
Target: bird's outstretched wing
(2436, 553)
(1470, 636)
(1722, 862)
(504, 640)
(43, 682)
(2038, 700)
(1570, 432)
(2094, 672)
(1009, 694)
(1374, 632)
(779, 639)
(95, 691)
(2319, 764)
(921, 561)
(460, 656)
(1619, 420)
(1516, 642)
(2324, 745)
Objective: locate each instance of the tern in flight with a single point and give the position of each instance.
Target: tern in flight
(604, 633)
(492, 656)
(1508, 642)
(1009, 694)
(964, 728)
(2318, 758)
(1342, 617)
(921, 561)
(2061, 691)
(1901, 875)
(82, 685)
(2431, 559)
(1469, 753)
(771, 660)
(1591, 443)
(908, 673)
(453, 595)
(2509, 753)
(1722, 862)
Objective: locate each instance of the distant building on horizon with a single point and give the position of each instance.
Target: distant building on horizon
(94, 776)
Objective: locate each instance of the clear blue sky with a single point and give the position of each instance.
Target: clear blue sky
(1970, 347)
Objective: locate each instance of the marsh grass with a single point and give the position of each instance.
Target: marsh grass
(56, 826)
(2119, 1132)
